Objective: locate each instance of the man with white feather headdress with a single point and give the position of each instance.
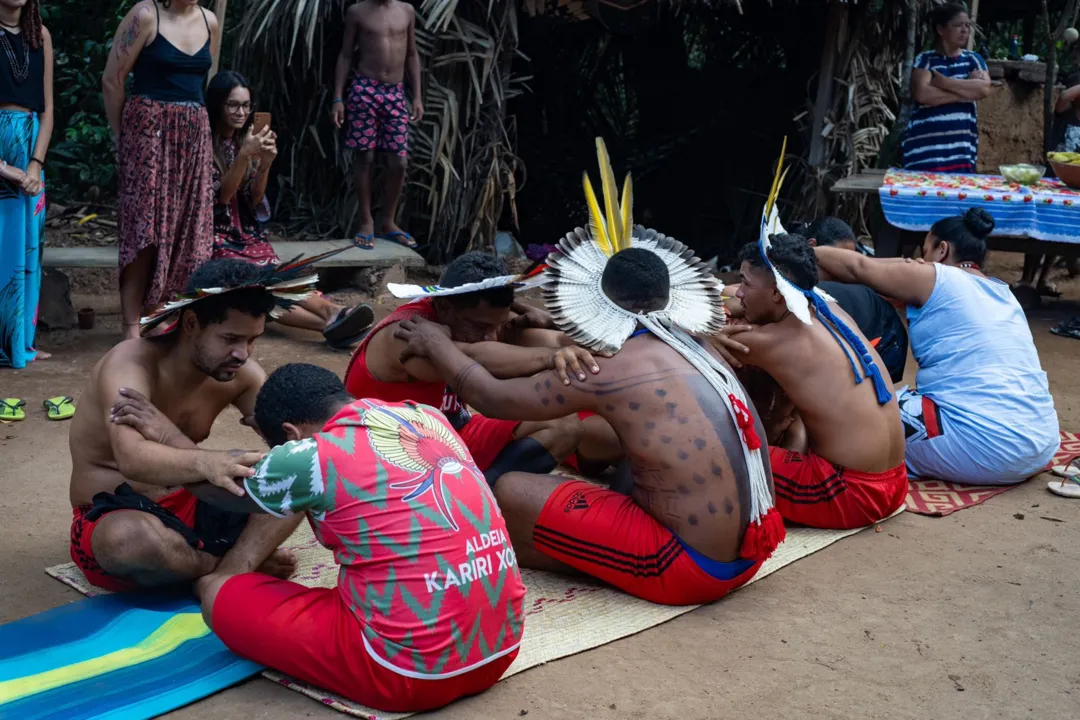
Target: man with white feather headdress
(699, 519)
(840, 462)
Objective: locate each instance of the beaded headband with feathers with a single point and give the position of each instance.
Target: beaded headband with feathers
(799, 301)
(527, 279)
(290, 283)
(572, 279)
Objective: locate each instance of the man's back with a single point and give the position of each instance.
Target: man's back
(844, 422)
(684, 451)
(425, 555)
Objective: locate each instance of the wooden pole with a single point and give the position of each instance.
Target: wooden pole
(1053, 35)
(835, 32)
(974, 22)
(220, 7)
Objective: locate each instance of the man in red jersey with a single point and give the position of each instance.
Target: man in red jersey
(428, 604)
(507, 338)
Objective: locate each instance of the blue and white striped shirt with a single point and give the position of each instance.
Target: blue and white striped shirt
(944, 138)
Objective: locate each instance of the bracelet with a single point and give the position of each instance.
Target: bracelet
(39, 161)
(335, 101)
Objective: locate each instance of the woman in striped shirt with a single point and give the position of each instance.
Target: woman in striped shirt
(943, 135)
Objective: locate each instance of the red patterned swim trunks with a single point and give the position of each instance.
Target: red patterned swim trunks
(377, 117)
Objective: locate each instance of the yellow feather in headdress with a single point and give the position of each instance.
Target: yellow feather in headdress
(778, 180)
(597, 226)
(627, 212)
(612, 226)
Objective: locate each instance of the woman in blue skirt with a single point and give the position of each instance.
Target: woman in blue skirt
(26, 123)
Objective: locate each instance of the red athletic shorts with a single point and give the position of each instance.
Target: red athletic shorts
(812, 491)
(310, 634)
(180, 503)
(486, 437)
(607, 535)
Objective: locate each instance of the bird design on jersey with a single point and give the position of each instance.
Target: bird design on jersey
(411, 439)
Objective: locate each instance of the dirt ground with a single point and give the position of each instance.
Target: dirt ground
(972, 616)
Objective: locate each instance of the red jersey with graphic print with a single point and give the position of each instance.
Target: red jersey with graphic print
(426, 562)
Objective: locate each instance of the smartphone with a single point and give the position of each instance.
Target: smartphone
(260, 121)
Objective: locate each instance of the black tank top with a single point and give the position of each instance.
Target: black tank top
(30, 93)
(165, 73)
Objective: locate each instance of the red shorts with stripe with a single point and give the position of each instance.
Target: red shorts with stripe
(812, 491)
(607, 535)
(310, 634)
(486, 437)
(181, 503)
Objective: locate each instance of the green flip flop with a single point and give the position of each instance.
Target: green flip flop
(11, 409)
(60, 408)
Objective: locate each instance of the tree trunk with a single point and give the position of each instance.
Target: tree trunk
(835, 33)
(220, 7)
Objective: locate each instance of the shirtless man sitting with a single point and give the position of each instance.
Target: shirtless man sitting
(506, 337)
(682, 535)
(840, 462)
(136, 469)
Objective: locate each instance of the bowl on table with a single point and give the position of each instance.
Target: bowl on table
(1023, 173)
(1067, 173)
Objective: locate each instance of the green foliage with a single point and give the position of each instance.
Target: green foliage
(82, 161)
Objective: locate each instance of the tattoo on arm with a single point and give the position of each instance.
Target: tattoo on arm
(130, 34)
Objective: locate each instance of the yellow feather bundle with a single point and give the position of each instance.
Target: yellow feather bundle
(612, 226)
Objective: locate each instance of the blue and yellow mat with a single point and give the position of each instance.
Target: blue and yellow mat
(119, 657)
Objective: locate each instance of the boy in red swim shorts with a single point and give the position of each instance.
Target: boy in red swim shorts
(839, 463)
(428, 603)
(374, 113)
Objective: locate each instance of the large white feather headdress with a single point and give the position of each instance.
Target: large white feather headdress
(572, 287)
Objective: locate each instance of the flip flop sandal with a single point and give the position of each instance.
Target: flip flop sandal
(1070, 470)
(348, 323)
(11, 409)
(1067, 328)
(346, 345)
(400, 237)
(364, 242)
(60, 408)
(1066, 487)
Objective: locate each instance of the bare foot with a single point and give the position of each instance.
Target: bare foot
(42, 355)
(281, 564)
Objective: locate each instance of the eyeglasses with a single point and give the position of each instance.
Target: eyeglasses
(236, 107)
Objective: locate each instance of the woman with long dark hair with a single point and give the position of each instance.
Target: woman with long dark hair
(982, 411)
(26, 124)
(946, 82)
(163, 149)
(241, 170)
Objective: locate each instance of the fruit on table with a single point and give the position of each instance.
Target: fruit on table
(1023, 174)
(1068, 158)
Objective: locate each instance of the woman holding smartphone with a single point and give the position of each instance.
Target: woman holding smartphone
(244, 151)
(26, 123)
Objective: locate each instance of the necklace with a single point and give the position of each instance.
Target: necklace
(19, 71)
(971, 265)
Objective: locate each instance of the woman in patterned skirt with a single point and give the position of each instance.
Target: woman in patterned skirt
(163, 149)
(943, 134)
(241, 170)
(26, 123)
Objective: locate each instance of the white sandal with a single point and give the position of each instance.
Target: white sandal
(1065, 487)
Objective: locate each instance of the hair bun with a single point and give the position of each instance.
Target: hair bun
(979, 222)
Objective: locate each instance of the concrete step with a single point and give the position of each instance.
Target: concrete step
(384, 254)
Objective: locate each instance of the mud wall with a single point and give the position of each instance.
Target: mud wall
(1011, 119)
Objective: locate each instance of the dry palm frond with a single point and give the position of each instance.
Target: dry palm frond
(462, 165)
(865, 108)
